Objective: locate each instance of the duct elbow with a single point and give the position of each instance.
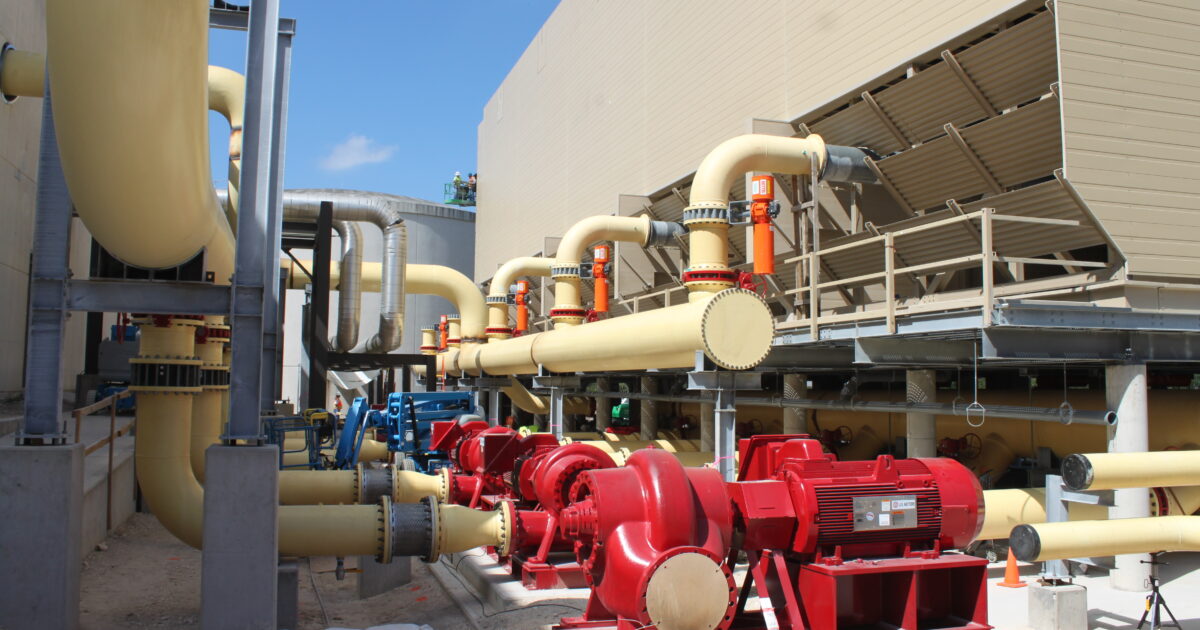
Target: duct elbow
(665, 234)
(847, 165)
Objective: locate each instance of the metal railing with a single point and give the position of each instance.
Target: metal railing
(111, 404)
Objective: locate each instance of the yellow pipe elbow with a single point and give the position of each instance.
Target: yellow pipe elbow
(22, 73)
(752, 152)
(227, 96)
(455, 287)
(153, 138)
(530, 402)
(599, 228)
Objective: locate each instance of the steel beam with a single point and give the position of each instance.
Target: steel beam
(917, 352)
(147, 296)
(1060, 315)
(808, 358)
(48, 274)
(1031, 344)
(250, 273)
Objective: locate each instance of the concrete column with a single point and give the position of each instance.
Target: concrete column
(921, 434)
(239, 574)
(649, 409)
(603, 405)
(1125, 392)
(795, 420)
(41, 499)
(287, 615)
(707, 424)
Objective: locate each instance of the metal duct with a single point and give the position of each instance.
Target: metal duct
(349, 286)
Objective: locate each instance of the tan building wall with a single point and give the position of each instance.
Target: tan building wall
(23, 25)
(1130, 76)
(625, 97)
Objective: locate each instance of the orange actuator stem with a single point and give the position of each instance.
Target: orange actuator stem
(762, 193)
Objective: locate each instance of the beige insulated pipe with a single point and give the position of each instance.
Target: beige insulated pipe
(707, 213)
(498, 289)
(733, 328)
(207, 420)
(362, 485)
(1110, 471)
(227, 96)
(530, 402)
(22, 73)
(567, 309)
(1005, 509)
(1058, 541)
(134, 143)
(165, 476)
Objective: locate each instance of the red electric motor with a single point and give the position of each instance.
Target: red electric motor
(860, 543)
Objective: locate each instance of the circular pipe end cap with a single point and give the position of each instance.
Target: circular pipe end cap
(688, 591)
(1025, 543)
(737, 329)
(1077, 472)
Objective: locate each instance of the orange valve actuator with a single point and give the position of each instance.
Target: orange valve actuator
(762, 195)
(600, 257)
(522, 300)
(443, 332)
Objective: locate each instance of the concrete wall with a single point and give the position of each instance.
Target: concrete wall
(23, 25)
(625, 97)
(1131, 123)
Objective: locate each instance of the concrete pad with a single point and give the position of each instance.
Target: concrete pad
(375, 578)
(1057, 607)
(41, 498)
(240, 568)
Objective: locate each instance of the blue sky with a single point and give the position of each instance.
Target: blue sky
(387, 95)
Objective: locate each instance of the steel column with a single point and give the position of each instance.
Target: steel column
(250, 275)
(493, 407)
(48, 275)
(725, 442)
(271, 379)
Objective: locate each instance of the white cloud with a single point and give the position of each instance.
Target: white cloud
(356, 151)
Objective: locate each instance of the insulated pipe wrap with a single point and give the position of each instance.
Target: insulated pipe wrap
(1110, 471)
(349, 286)
(384, 212)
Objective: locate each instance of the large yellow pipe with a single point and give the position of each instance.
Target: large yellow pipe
(1058, 541)
(22, 73)
(567, 308)
(1109, 471)
(445, 282)
(227, 96)
(530, 402)
(497, 298)
(370, 451)
(142, 129)
(332, 487)
(733, 328)
(1006, 509)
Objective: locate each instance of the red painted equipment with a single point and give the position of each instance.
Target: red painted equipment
(762, 193)
(600, 260)
(969, 446)
(831, 544)
(522, 301)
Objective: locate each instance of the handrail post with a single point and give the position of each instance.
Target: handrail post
(889, 266)
(988, 270)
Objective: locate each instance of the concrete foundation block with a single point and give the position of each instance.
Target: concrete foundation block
(375, 578)
(1058, 607)
(239, 576)
(288, 615)
(41, 498)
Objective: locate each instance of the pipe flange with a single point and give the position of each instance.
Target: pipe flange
(508, 519)
(386, 531)
(436, 533)
(565, 271)
(704, 213)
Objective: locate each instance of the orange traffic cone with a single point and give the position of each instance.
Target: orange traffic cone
(1012, 577)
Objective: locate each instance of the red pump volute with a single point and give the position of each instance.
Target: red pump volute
(554, 472)
(652, 537)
